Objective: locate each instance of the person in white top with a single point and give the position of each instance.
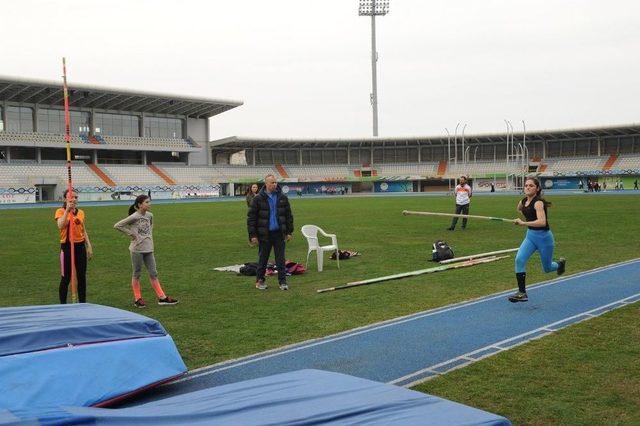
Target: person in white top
(463, 199)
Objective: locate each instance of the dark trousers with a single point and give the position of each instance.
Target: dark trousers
(275, 240)
(65, 271)
(464, 209)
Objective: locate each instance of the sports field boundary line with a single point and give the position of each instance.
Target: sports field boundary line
(535, 334)
(237, 362)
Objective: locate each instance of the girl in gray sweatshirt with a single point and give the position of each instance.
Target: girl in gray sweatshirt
(139, 226)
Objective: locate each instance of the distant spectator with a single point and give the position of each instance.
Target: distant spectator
(463, 199)
(251, 193)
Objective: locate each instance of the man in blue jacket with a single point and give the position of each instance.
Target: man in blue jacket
(270, 224)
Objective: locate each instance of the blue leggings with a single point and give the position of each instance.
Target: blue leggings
(537, 240)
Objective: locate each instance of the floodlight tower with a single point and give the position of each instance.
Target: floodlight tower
(374, 8)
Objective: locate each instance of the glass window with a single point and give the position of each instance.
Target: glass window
(161, 127)
(52, 121)
(117, 125)
(19, 119)
(1, 121)
(278, 157)
(291, 157)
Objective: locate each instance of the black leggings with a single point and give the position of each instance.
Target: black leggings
(65, 270)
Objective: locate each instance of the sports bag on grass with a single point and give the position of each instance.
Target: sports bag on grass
(441, 251)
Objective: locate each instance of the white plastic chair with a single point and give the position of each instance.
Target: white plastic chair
(310, 232)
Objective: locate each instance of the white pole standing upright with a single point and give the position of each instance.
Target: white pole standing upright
(373, 8)
(374, 75)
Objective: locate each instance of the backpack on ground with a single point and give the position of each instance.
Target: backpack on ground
(249, 269)
(344, 254)
(294, 268)
(441, 251)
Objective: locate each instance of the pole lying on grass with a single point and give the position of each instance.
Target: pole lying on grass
(500, 219)
(414, 273)
(476, 256)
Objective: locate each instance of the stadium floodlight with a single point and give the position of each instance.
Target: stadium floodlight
(374, 8)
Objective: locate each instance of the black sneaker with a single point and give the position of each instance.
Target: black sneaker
(518, 297)
(284, 286)
(139, 303)
(562, 262)
(167, 301)
(450, 229)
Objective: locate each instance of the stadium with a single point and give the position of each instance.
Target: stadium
(373, 327)
(126, 142)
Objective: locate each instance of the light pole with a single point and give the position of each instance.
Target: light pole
(373, 8)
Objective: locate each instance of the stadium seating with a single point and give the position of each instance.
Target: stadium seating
(407, 169)
(245, 172)
(627, 162)
(28, 174)
(307, 172)
(147, 142)
(50, 139)
(191, 175)
(38, 138)
(573, 165)
(483, 168)
(131, 174)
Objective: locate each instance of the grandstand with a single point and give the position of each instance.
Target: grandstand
(428, 161)
(135, 141)
(118, 133)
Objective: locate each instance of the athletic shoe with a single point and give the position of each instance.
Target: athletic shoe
(518, 297)
(139, 303)
(261, 285)
(284, 286)
(450, 229)
(561, 265)
(167, 301)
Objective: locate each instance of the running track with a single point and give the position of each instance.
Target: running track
(411, 349)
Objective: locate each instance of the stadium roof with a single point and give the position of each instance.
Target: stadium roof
(239, 142)
(80, 95)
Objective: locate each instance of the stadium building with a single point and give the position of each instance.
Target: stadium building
(128, 142)
(118, 136)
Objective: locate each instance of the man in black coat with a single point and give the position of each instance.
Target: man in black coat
(270, 224)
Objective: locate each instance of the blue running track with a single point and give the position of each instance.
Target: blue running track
(408, 350)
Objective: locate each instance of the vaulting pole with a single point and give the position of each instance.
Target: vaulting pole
(500, 219)
(71, 217)
(476, 256)
(414, 273)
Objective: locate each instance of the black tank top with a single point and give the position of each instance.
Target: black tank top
(529, 213)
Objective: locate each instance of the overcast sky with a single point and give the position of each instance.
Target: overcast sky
(303, 68)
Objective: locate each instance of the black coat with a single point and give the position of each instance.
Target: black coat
(259, 213)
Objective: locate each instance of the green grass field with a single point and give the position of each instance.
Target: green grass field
(584, 374)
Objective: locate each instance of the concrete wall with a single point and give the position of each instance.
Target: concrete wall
(197, 129)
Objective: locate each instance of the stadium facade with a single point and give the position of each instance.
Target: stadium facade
(126, 142)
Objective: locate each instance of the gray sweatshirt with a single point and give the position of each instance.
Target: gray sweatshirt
(139, 226)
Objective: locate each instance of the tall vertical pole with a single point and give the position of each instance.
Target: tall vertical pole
(374, 72)
(71, 215)
(372, 8)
